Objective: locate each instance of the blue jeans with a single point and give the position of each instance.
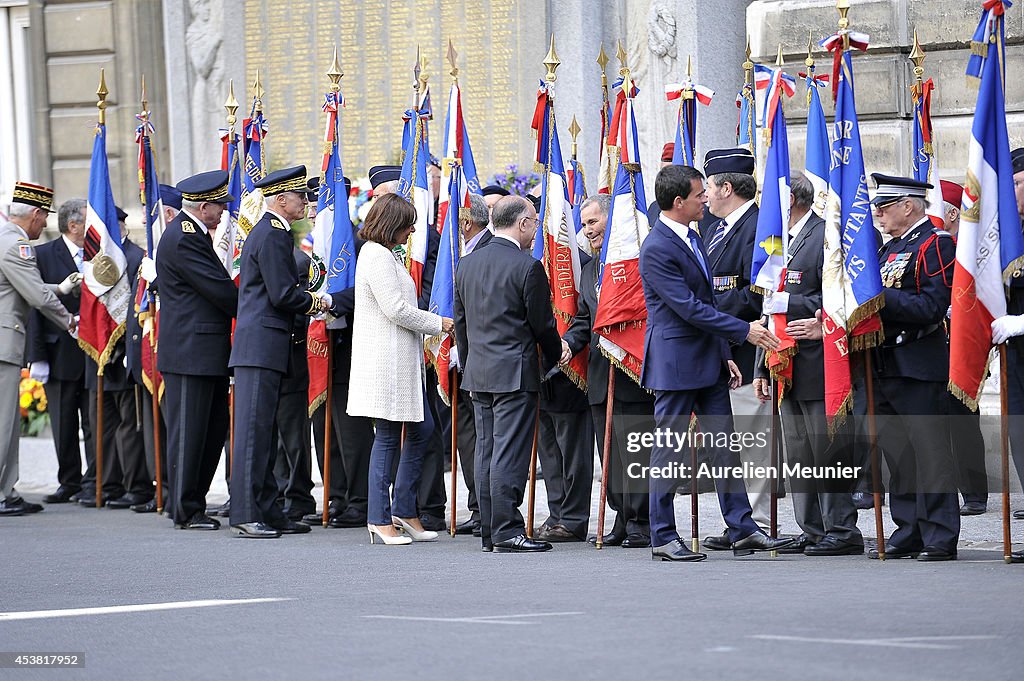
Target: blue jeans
(386, 445)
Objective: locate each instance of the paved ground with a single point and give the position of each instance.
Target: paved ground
(343, 609)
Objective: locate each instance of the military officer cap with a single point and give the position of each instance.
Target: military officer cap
(890, 189)
(33, 195)
(1017, 158)
(952, 193)
(122, 215)
(210, 187)
(285, 180)
(381, 174)
(313, 188)
(170, 196)
(738, 160)
(494, 190)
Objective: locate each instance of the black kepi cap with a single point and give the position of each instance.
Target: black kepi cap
(285, 180)
(891, 188)
(211, 186)
(738, 160)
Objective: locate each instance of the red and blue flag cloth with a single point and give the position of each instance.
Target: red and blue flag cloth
(745, 126)
(456, 146)
(228, 238)
(106, 293)
(851, 281)
(621, 315)
(990, 246)
(923, 159)
(689, 94)
(414, 187)
(818, 152)
(555, 245)
(606, 172)
(254, 131)
(145, 299)
(332, 267)
(442, 291)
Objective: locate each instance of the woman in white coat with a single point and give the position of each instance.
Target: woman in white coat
(387, 378)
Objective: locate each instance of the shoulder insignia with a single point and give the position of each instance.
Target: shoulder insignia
(187, 227)
(941, 232)
(278, 224)
(24, 251)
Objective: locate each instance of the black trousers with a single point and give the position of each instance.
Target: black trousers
(820, 507)
(632, 507)
(968, 451)
(504, 429)
(293, 468)
(353, 437)
(150, 444)
(338, 483)
(922, 476)
(566, 452)
(253, 486)
(466, 444)
(113, 472)
(68, 404)
(432, 496)
(196, 410)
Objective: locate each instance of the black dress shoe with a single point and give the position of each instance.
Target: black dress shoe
(487, 546)
(298, 515)
(718, 543)
(973, 508)
(224, 510)
(676, 550)
(831, 546)
(636, 540)
(863, 500)
(199, 521)
(613, 538)
(62, 496)
(433, 523)
(350, 517)
(467, 527)
(148, 507)
(799, 545)
(127, 501)
(521, 544)
(30, 507)
(1017, 557)
(89, 500)
(291, 527)
(255, 531)
(12, 507)
(759, 541)
(893, 552)
(556, 534)
(1018, 515)
(933, 553)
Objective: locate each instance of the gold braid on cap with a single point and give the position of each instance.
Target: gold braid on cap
(218, 193)
(295, 185)
(43, 197)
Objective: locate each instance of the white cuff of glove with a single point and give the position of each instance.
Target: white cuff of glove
(40, 371)
(776, 303)
(1007, 327)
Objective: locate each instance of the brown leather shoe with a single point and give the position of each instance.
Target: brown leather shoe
(556, 534)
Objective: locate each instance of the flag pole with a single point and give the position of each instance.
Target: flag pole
(606, 454)
(101, 94)
(153, 395)
(1004, 445)
(773, 446)
(453, 382)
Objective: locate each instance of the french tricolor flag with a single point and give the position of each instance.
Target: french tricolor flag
(414, 187)
(456, 146)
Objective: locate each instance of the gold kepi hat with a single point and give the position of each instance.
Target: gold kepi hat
(33, 195)
(285, 180)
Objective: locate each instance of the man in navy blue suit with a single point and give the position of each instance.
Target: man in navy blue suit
(688, 365)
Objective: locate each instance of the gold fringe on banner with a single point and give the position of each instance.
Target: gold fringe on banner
(101, 358)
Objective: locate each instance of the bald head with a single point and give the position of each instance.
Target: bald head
(515, 217)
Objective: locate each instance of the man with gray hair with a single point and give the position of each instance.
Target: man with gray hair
(56, 360)
(502, 313)
(22, 288)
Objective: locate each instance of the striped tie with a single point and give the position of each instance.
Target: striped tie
(717, 237)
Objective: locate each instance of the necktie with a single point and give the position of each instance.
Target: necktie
(717, 237)
(79, 259)
(695, 245)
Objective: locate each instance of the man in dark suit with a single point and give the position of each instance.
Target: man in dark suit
(55, 358)
(632, 526)
(269, 297)
(911, 371)
(729, 242)
(688, 365)
(197, 303)
(502, 313)
(824, 509)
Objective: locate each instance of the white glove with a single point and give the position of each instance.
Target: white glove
(1007, 327)
(453, 358)
(70, 283)
(776, 303)
(147, 270)
(73, 329)
(328, 301)
(40, 371)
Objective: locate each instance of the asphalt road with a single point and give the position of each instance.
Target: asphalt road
(344, 609)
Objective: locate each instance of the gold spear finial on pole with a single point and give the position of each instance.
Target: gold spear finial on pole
(423, 75)
(627, 83)
(809, 62)
(101, 95)
(688, 86)
(416, 80)
(917, 56)
(779, 61)
(258, 92)
(452, 57)
(748, 68)
(335, 73)
(843, 6)
(231, 105)
(145, 102)
(574, 130)
(602, 61)
(551, 61)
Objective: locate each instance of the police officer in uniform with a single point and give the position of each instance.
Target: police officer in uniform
(911, 370)
(197, 303)
(269, 298)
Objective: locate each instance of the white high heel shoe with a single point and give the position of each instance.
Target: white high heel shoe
(425, 535)
(375, 534)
